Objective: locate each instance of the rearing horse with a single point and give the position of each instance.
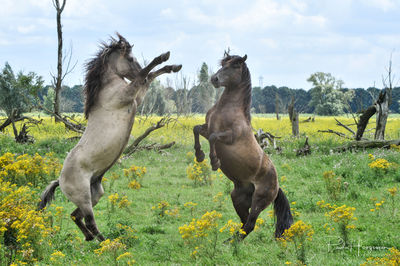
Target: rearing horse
(110, 108)
(234, 149)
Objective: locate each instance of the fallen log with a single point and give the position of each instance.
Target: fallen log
(367, 144)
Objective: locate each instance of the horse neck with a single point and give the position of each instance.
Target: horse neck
(237, 96)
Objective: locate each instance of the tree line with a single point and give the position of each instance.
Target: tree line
(25, 92)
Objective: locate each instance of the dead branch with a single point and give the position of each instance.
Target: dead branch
(135, 145)
(154, 146)
(310, 119)
(345, 126)
(265, 139)
(340, 134)
(306, 150)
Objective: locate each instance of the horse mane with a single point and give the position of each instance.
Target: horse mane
(96, 67)
(245, 84)
(246, 87)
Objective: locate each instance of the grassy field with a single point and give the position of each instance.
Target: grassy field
(164, 208)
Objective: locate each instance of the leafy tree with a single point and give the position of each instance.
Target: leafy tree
(203, 95)
(326, 96)
(17, 92)
(72, 99)
(48, 100)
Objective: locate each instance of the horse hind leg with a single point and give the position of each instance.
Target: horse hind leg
(241, 197)
(80, 195)
(77, 217)
(262, 197)
(96, 191)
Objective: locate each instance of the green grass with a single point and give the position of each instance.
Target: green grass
(158, 239)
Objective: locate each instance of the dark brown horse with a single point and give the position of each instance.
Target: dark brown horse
(234, 149)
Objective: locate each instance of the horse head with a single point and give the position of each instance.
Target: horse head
(231, 72)
(120, 59)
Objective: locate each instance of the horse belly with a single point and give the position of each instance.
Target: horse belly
(239, 161)
(102, 144)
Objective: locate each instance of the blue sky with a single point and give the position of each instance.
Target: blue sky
(286, 41)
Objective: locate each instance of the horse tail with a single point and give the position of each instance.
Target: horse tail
(283, 215)
(48, 194)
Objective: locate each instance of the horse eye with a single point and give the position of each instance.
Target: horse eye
(236, 65)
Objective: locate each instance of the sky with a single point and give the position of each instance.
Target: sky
(285, 41)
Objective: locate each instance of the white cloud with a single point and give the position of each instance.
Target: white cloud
(385, 5)
(26, 29)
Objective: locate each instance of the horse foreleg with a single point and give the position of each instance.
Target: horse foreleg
(199, 130)
(163, 70)
(156, 61)
(225, 137)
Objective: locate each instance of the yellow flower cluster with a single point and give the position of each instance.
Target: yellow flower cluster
(19, 219)
(24, 169)
(126, 256)
(199, 172)
(161, 208)
(259, 223)
(233, 228)
(56, 256)
(343, 215)
(298, 232)
(395, 147)
(380, 164)
(392, 191)
(391, 259)
(134, 184)
(201, 227)
(324, 205)
(122, 202)
(377, 206)
(128, 232)
(172, 212)
(135, 172)
(333, 184)
(110, 246)
(190, 205)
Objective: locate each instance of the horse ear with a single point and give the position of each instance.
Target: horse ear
(244, 58)
(226, 52)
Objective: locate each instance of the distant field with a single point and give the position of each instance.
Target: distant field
(143, 221)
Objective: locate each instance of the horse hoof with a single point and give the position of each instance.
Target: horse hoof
(165, 57)
(100, 237)
(215, 165)
(200, 156)
(176, 68)
(89, 238)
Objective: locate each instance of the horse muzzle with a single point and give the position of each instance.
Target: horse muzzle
(215, 81)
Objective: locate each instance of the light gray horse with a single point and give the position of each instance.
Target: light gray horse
(115, 86)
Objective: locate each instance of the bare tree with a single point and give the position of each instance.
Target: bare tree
(277, 102)
(58, 79)
(294, 118)
(382, 108)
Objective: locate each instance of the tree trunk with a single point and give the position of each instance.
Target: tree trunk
(363, 122)
(58, 79)
(294, 118)
(382, 113)
(277, 106)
